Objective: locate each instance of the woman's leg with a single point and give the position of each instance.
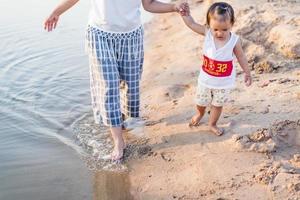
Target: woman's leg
(111, 114)
(105, 88)
(130, 68)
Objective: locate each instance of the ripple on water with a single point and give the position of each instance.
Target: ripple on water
(97, 142)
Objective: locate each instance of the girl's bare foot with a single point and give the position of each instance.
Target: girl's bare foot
(216, 130)
(195, 121)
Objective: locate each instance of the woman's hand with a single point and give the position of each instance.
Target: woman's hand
(155, 6)
(182, 8)
(51, 22)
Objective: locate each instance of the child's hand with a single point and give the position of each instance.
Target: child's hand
(51, 22)
(247, 80)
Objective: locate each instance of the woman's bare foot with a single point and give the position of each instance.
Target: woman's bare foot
(195, 121)
(216, 130)
(118, 151)
(119, 143)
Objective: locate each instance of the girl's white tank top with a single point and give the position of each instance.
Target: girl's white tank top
(115, 15)
(218, 71)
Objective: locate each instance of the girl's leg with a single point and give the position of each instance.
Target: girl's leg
(215, 114)
(220, 97)
(195, 121)
(203, 98)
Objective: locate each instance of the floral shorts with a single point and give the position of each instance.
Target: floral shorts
(216, 97)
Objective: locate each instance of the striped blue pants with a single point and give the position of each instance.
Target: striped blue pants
(115, 61)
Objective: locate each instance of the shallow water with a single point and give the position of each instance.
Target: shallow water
(105, 187)
(44, 94)
(43, 90)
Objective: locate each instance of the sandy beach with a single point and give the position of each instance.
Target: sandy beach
(259, 155)
(47, 124)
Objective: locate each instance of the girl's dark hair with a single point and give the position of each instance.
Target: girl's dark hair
(223, 9)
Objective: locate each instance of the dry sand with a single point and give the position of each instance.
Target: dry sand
(259, 156)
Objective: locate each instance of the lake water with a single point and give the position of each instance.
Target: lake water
(44, 92)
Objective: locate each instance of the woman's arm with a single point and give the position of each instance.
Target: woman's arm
(52, 20)
(240, 55)
(190, 22)
(159, 7)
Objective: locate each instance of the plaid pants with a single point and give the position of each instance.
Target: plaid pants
(115, 61)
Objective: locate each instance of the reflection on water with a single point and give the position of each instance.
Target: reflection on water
(111, 186)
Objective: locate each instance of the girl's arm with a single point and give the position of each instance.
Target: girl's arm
(190, 22)
(240, 55)
(159, 7)
(52, 20)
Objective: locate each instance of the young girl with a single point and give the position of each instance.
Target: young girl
(217, 74)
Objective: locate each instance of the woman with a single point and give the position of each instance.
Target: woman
(114, 43)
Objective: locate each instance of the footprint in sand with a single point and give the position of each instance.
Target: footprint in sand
(176, 91)
(167, 156)
(153, 122)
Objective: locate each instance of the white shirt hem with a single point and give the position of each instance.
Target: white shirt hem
(217, 87)
(109, 31)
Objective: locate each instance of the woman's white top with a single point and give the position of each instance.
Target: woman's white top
(115, 15)
(218, 71)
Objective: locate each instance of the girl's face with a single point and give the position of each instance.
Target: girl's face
(220, 27)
